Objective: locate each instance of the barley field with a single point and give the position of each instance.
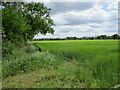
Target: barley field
(65, 64)
(96, 60)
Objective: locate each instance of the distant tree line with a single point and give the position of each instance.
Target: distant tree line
(115, 36)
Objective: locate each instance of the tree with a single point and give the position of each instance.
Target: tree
(22, 21)
(115, 36)
(14, 26)
(37, 15)
(103, 36)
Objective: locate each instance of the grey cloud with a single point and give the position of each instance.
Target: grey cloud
(80, 19)
(62, 7)
(114, 16)
(76, 19)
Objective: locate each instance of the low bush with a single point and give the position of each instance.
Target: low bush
(26, 59)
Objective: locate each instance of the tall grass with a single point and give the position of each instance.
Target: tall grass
(26, 59)
(98, 59)
(70, 64)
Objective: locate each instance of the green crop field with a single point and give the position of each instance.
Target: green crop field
(96, 59)
(68, 64)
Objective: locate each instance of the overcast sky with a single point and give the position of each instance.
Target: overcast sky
(78, 19)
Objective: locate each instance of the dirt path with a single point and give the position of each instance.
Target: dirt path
(53, 78)
(30, 79)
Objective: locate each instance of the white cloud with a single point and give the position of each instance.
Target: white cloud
(95, 14)
(95, 20)
(113, 4)
(58, 7)
(59, 19)
(65, 0)
(113, 15)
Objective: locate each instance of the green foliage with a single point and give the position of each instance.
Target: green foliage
(7, 47)
(26, 59)
(72, 64)
(22, 21)
(38, 17)
(116, 36)
(14, 25)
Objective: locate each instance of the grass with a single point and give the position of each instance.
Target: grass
(0, 74)
(63, 64)
(23, 60)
